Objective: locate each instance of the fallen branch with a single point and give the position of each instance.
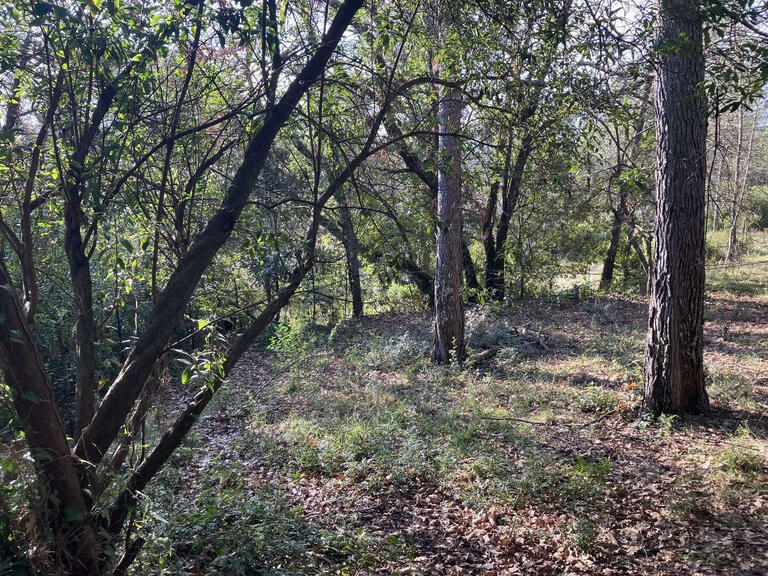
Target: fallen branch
(533, 422)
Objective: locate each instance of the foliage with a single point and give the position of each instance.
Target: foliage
(181, 180)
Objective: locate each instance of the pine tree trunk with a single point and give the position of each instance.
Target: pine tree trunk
(674, 366)
(449, 309)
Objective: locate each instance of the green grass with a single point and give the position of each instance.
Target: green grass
(748, 275)
(544, 429)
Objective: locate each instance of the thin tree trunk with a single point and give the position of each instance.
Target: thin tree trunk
(495, 282)
(449, 308)
(736, 190)
(606, 278)
(85, 326)
(470, 275)
(79, 265)
(489, 218)
(622, 214)
(717, 196)
(494, 262)
(674, 363)
(352, 251)
(421, 279)
(744, 180)
(740, 186)
(512, 188)
(122, 394)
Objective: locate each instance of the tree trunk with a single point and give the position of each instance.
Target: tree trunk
(352, 250)
(85, 326)
(470, 275)
(717, 196)
(736, 191)
(399, 262)
(674, 364)
(495, 282)
(160, 326)
(606, 278)
(79, 265)
(489, 242)
(740, 186)
(429, 178)
(449, 308)
(24, 372)
(623, 214)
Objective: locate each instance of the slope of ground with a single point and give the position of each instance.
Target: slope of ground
(349, 453)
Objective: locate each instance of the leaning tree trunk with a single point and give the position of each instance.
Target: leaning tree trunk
(674, 365)
(449, 309)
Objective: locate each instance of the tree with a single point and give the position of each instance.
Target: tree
(626, 160)
(352, 252)
(674, 363)
(449, 306)
(73, 479)
(740, 179)
(543, 51)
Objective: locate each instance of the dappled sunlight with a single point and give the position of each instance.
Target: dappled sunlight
(528, 459)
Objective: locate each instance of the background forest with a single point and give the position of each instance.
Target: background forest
(224, 232)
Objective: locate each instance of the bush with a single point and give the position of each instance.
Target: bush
(757, 206)
(713, 253)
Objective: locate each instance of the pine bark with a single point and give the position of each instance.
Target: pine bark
(674, 366)
(428, 177)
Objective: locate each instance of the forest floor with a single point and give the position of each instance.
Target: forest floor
(347, 452)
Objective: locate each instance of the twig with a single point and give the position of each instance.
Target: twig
(577, 424)
(740, 264)
(523, 420)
